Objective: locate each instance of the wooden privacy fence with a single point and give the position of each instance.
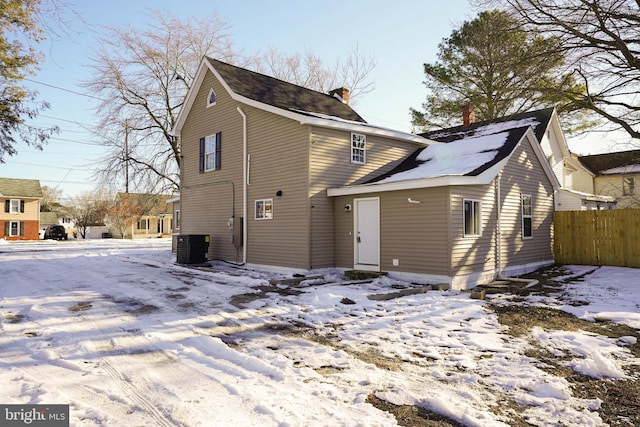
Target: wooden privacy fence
(609, 237)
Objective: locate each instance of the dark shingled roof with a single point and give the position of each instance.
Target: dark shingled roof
(542, 117)
(597, 163)
(278, 93)
(13, 187)
(411, 162)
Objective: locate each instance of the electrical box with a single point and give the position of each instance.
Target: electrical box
(237, 232)
(192, 248)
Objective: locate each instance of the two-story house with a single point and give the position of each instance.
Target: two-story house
(281, 176)
(616, 175)
(20, 214)
(257, 157)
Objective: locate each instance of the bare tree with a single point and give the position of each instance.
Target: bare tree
(121, 215)
(50, 201)
(143, 75)
(309, 71)
(88, 209)
(601, 38)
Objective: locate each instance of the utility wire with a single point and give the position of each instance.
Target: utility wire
(66, 90)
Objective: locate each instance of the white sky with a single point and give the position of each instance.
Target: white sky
(400, 35)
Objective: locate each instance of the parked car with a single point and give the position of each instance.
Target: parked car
(56, 232)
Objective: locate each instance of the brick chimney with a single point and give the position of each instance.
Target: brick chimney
(341, 93)
(468, 115)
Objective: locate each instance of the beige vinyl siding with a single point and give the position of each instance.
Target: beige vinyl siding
(31, 210)
(415, 234)
(207, 200)
(278, 150)
(568, 201)
(523, 174)
(472, 254)
(579, 180)
(330, 166)
(611, 185)
(279, 162)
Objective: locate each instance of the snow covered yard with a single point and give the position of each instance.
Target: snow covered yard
(125, 337)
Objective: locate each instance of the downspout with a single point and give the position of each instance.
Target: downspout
(498, 227)
(529, 282)
(245, 184)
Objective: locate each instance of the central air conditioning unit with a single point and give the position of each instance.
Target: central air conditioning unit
(192, 248)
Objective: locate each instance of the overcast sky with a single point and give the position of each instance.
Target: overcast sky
(401, 35)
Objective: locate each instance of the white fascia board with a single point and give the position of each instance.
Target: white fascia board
(562, 141)
(365, 128)
(439, 181)
(190, 98)
(333, 124)
(537, 149)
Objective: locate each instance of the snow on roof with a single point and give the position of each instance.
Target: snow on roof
(460, 157)
(488, 129)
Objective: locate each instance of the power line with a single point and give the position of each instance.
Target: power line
(66, 120)
(75, 141)
(66, 90)
(46, 166)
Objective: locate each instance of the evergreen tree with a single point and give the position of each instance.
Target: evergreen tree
(493, 64)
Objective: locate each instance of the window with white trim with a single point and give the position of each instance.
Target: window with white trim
(472, 218)
(527, 216)
(14, 206)
(358, 148)
(264, 209)
(14, 228)
(212, 98)
(143, 224)
(176, 218)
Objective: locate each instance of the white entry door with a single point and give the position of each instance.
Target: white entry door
(367, 234)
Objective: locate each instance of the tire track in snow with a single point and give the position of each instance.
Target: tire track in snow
(130, 391)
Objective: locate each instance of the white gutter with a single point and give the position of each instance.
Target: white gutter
(244, 184)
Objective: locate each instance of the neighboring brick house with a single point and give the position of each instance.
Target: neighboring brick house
(20, 214)
(616, 175)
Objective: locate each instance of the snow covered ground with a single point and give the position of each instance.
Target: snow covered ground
(125, 337)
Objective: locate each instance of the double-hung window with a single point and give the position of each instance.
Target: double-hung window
(358, 148)
(210, 150)
(527, 216)
(472, 218)
(14, 206)
(264, 209)
(14, 228)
